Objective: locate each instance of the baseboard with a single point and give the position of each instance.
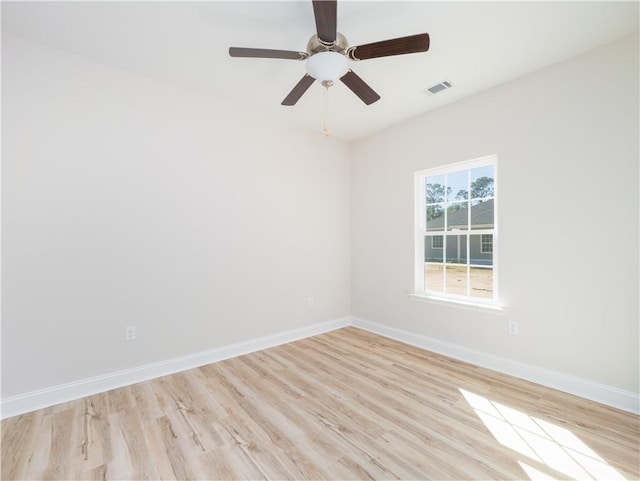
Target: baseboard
(31, 401)
(602, 393)
(585, 388)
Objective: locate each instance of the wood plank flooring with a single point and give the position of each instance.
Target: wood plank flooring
(343, 405)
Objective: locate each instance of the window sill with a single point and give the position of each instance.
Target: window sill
(472, 306)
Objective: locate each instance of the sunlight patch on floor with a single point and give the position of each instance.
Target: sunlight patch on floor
(541, 441)
(535, 474)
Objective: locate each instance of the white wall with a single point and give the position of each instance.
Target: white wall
(567, 141)
(128, 202)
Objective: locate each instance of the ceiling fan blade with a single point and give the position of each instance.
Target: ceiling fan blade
(326, 13)
(387, 48)
(300, 88)
(360, 88)
(266, 53)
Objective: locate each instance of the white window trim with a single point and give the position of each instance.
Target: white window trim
(458, 303)
(421, 232)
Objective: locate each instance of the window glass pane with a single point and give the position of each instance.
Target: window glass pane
(482, 182)
(433, 274)
(434, 189)
(482, 214)
(457, 216)
(458, 185)
(457, 280)
(433, 249)
(481, 282)
(480, 254)
(456, 249)
(435, 217)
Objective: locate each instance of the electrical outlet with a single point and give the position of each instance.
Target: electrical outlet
(513, 328)
(130, 333)
(309, 302)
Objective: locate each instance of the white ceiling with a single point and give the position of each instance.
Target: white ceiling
(474, 45)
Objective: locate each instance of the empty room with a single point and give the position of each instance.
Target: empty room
(338, 240)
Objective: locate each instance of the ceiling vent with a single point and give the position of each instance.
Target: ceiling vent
(437, 88)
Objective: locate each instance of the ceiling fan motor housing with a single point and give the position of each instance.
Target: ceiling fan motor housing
(316, 45)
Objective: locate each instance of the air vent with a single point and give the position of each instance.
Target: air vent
(437, 88)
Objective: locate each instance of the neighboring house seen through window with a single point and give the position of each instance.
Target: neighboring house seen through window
(456, 231)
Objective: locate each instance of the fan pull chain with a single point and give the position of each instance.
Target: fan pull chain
(325, 124)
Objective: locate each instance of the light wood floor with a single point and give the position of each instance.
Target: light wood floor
(344, 405)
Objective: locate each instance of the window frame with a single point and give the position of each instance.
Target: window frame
(420, 230)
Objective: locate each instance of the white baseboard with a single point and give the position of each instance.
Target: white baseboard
(585, 388)
(602, 393)
(27, 402)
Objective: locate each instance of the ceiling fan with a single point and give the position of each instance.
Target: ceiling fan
(328, 55)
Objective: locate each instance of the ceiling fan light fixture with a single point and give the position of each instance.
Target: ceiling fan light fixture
(327, 66)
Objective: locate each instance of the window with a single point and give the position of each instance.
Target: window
(486, 243)
(456, 231)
